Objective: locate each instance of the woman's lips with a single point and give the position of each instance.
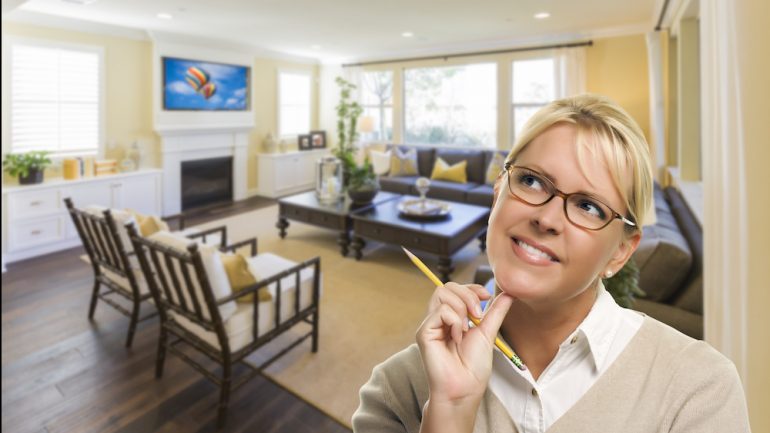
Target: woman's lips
(532, 252)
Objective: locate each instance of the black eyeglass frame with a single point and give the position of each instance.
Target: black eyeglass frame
(564, 196)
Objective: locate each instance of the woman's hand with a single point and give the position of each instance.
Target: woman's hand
(458, 360)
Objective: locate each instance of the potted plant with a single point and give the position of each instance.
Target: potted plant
(624, 286)
(29, 167)
(360, 181)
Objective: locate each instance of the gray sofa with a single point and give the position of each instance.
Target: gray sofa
(474, 192)
(670, 260)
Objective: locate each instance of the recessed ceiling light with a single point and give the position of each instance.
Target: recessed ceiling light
(542, 15)
(80, 2)
(407, 34)
(165, 16)
(315, 47)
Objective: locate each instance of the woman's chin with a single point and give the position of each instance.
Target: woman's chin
(521, 288)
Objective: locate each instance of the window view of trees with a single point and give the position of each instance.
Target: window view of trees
(377, 102)
(533, 87)
(455, 105)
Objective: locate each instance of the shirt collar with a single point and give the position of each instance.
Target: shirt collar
(599, 327)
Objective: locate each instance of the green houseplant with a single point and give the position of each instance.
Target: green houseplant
(359, 180)
(29, 166)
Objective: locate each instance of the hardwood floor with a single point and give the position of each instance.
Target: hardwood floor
(64, 373)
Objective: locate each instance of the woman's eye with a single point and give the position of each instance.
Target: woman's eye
(530, 181)
(592, 209)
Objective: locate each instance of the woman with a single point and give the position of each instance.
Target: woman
(567, 212)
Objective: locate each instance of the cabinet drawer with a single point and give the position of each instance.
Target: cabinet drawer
(37, 232)
(419, 241)
(35, 203)
(383, 233)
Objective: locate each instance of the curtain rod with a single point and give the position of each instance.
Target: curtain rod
(477, 53)
(662, 14)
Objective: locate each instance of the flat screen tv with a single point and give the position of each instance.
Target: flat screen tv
(204, 86)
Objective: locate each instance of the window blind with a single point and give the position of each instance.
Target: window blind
(54, 100)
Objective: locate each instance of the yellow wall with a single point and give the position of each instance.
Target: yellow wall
(128, 72)
(753, 40)
(617, 68)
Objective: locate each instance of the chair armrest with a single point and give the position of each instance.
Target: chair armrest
(482, 275)
(248, 242)
(315, 261)
(179, 218)
(203, 235)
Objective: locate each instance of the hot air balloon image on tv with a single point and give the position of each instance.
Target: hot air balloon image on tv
(200, 85)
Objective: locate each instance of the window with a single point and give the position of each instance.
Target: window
(377, 102)
(454, 105)
(534, 86)
(56, 99)
(293, 103)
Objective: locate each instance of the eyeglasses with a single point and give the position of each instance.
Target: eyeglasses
(581, 209)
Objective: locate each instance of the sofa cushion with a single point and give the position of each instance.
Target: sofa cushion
(494, 166)
(451, 173)
(403, 163)
(398, 185)
(380, 161)
(664, 260)
(691, 296)
(474, 158)
(683, 320)
(481, 195)
(444, 190)
(425, 157)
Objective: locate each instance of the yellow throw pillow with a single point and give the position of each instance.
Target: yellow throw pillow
(452, 173)
(403, 163)
(148, 224)
(237, 269)
(496, 165)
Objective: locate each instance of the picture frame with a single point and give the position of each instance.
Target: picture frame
(304, 142)
(199, 85)
(318, 139)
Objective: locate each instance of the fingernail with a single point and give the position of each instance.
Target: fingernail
(478, 310)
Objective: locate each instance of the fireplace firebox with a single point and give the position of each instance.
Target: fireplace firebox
(206, 182)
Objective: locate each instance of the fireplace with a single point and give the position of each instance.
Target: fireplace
(206, 181)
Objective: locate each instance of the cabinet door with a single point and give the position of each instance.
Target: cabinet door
(92, 193)
(306, 171)
(287, 172)
(140, 194)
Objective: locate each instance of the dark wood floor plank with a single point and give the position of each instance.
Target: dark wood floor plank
(64, 373)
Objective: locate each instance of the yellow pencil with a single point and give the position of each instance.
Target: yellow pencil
(507, 351)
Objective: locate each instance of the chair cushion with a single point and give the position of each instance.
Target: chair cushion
(403, 163)
(212, 263)
(239, 327)
(241, 277)
(148, 224)
(121, 218)
(122, 281)
(451, 173)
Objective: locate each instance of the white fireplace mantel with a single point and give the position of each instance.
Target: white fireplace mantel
(186, 144)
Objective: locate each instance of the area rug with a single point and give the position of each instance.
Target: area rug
(370, 309)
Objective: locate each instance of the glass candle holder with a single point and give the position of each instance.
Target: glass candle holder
(328, 179)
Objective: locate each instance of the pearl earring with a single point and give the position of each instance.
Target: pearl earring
(607, 274)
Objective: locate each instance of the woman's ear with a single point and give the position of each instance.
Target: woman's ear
(624, 252)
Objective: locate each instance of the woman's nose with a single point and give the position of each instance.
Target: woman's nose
(550, 217)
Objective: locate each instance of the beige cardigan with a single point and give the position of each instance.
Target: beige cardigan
(663, 381)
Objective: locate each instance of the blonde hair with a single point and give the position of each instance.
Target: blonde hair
(604, 130)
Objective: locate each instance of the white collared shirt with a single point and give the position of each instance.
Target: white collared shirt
(534, 405)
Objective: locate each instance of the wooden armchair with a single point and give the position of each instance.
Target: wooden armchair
(197, 312)
(116, 268)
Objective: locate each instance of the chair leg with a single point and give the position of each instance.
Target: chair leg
(132, 325)
(94, 297)
(315, 332)
(161, 358)
(224, 398)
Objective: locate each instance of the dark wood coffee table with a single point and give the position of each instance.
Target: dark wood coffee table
(443, 238)
(305, 207)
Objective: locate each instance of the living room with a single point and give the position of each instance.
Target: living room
(691, 73)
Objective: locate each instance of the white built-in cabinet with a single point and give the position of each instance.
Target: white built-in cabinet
(36, 220)
(287, 173)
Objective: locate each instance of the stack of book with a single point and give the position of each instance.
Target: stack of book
(104, 167)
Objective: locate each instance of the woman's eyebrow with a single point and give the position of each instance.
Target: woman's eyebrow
(553, 180)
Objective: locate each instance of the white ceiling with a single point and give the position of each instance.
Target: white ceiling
(348, 30)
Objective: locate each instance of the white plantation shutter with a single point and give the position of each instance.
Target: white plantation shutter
(294, 103)
(55, 98)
